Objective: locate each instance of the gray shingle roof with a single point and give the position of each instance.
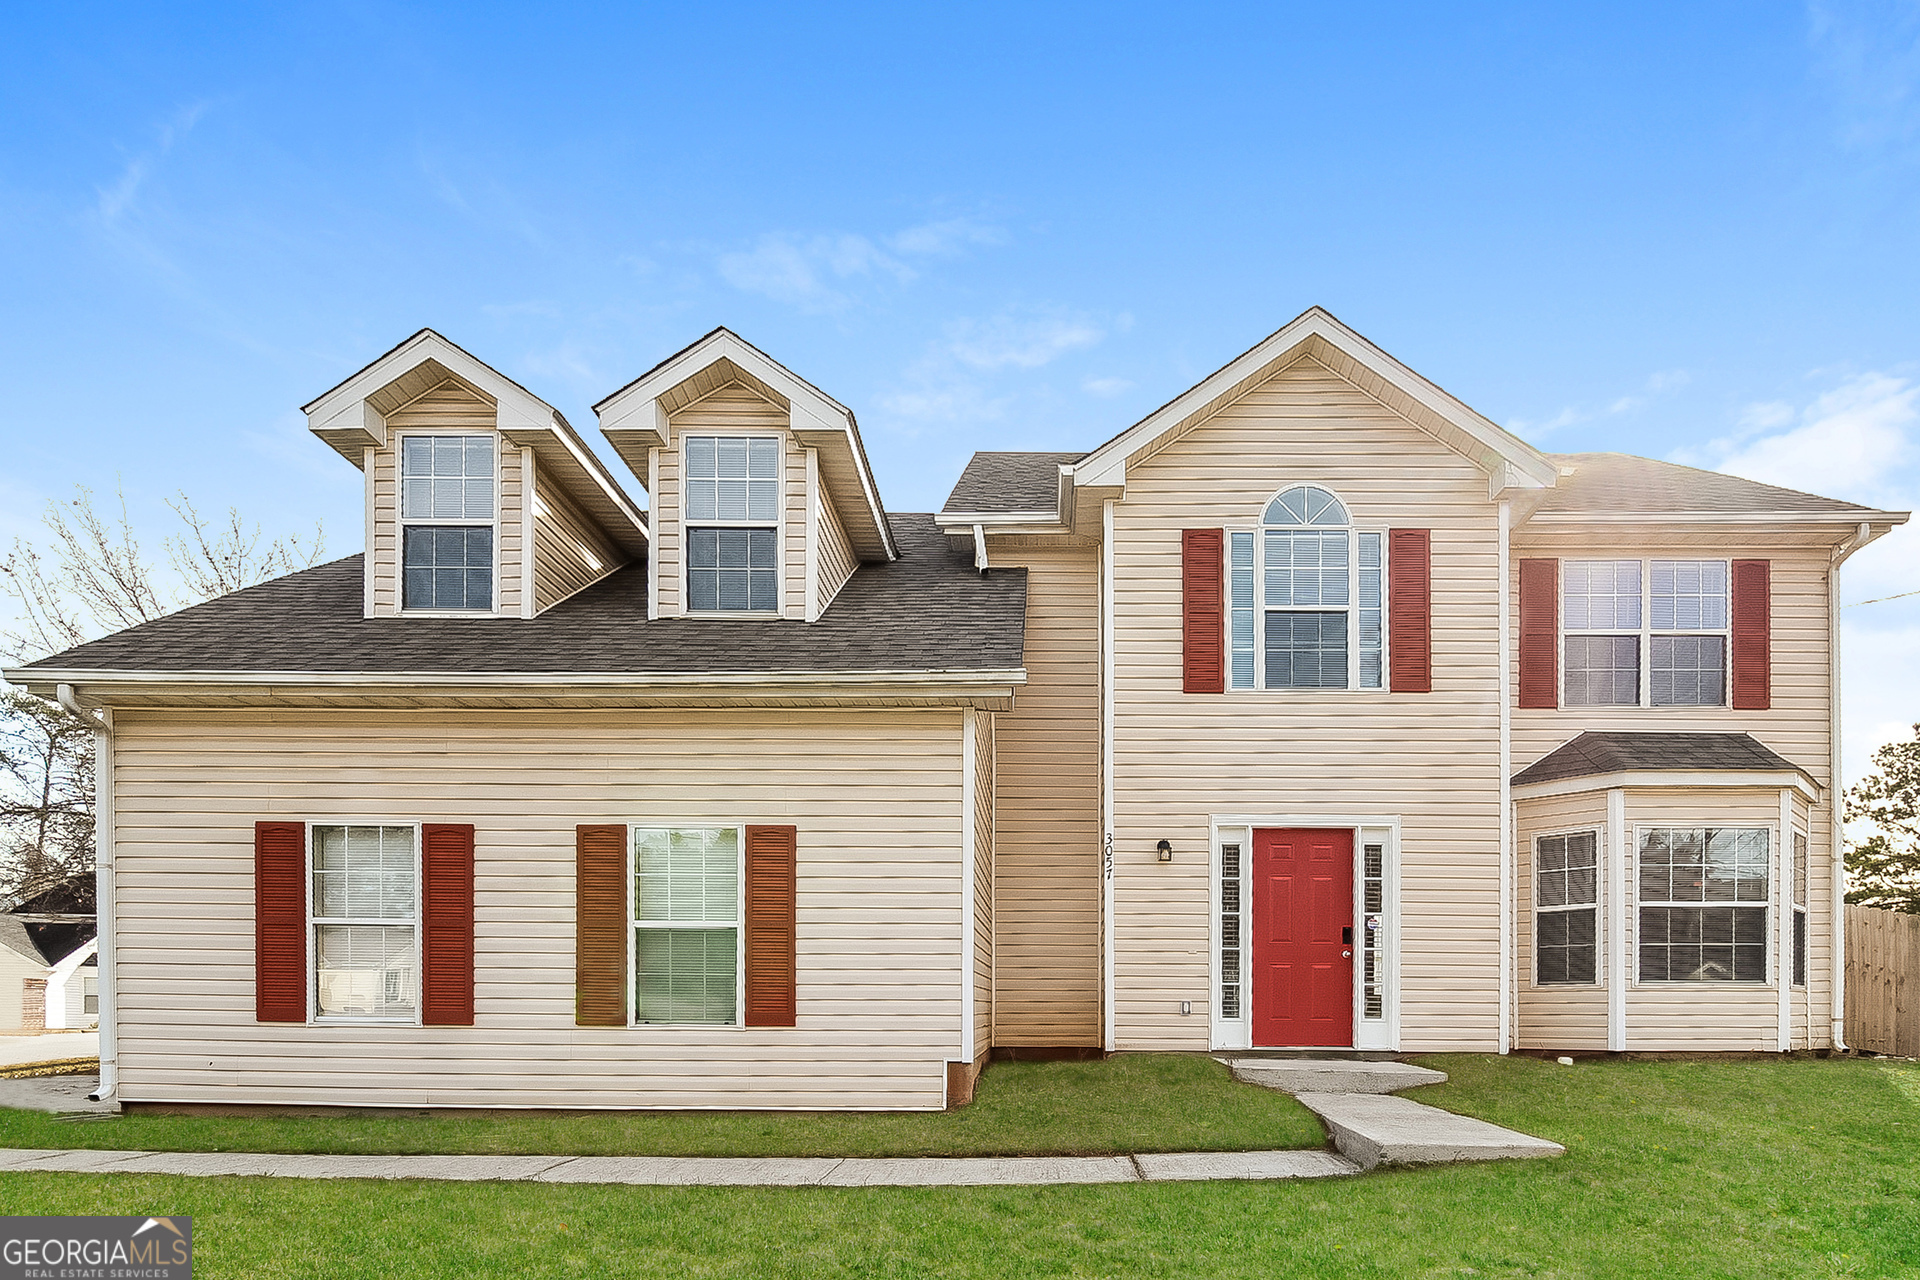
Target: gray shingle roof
(1594, 753)
(1010, 482)
(927, 611)
(15, 938)
(1622, 483)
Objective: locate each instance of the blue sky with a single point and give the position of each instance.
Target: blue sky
(1684, 231)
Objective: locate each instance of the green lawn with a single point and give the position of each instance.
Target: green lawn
(1761, 1169)
(1135, 1102)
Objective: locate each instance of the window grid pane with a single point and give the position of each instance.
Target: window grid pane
(733, 570)
(1240, 608)
(1708, 865)
(1370, 621)
(363, 873)
(1305, 569)
(1600, 595)
(733, 478)
(1688, 595)
(687, 874)
(686, 975)
(366, 971)
(1602, 671)
(447, 567)
(1230, 923)
(1687, 671)
(446, 477)
(1306, 650)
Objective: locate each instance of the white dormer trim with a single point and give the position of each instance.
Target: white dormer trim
(1509, 461)
(635, 420)
(350, 419)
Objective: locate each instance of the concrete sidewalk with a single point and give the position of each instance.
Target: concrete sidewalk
(704, 1171)
(49, 1046)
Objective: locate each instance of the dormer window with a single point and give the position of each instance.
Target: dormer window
(733, 524)
(447, 511)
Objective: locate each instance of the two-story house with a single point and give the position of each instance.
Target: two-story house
(1312, 711)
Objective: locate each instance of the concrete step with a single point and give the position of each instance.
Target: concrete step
(1323, 1075)
(1376, 1129)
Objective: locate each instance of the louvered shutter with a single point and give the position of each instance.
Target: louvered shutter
(1410, 610)
(600, 926)
(1203, 613)
(1752, 635)
(280, 922)
(446, 942)
(1540, 633)
(772, 935)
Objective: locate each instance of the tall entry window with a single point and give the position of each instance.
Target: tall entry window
(733, 529)
(447, 514)
(1308, 614)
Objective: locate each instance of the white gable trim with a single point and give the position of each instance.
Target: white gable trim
(1516, 462)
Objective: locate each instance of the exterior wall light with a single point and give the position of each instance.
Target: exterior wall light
(1164, 850)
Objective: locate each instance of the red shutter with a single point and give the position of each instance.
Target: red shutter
(772, 934)
(446, 942)
(1410, 610)
(1752, 635)
(1540, 633)
(280, 921)
(1203, 610)
(600, 926)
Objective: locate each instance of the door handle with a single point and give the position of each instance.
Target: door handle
(1346, 955)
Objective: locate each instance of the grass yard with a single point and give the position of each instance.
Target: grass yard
(1770, 1169)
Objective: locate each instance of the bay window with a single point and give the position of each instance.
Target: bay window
(1703, 904)
(1566, 908)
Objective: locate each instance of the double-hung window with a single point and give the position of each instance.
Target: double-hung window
(447, 514)
(1644, 633)
(1566, 908)
(686, 925)
(1305, 598)
(733, 524)
(1703, 904)
(364, 907)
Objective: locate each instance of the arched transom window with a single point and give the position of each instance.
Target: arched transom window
(1305, 597)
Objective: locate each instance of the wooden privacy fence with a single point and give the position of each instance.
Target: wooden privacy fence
(1883, 981)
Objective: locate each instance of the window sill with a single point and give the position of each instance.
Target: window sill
(356, 1020)
(750, 615)
(1700, 984)
(454, 613)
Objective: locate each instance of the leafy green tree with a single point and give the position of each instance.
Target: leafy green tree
(1884, 869)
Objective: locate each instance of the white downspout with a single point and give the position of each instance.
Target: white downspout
(103, 904)
(1507, 976)
(1836, 790)
(980, 549)
(1108, 1034)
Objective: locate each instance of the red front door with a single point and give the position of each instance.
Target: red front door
(1302, 939)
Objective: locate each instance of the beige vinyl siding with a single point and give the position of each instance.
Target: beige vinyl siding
(1797, 726)
(875, 795)
(667, 533)
(983, 903)
(1559, 1017)
(1047, 814)
(1431, 760)
(734, 408)
(836, 558)
(569, 551)
(448, 406)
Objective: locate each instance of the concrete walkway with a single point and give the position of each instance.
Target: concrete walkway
(703, 1171)
(50, 1046)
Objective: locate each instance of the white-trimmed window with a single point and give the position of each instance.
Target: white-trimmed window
(1566, 908)
(686, 925)
(1703, 904)
(1799, 908)
(363, 911)
(1644, 633)
(447, 510)
(1305, 597)
(733, 524)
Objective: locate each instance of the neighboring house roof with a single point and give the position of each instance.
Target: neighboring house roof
(1014, 481)
(1616, 485)
(1595, 752)
(352, 417)
(634, 421)
(928, 611)
(15, 938)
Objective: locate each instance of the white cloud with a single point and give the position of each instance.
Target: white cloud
(817, 271)
(1869, 54)
(1849, 443)
(1106, 386)
(115, 200)
(1020, 340)
(1879, 691)
(949, 236)
(1656, 384)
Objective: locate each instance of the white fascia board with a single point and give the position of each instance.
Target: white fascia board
(1000, 521)
(524, 679)
(1107, 464)
(1841, 519)
(1671, 780)
(564, 454)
